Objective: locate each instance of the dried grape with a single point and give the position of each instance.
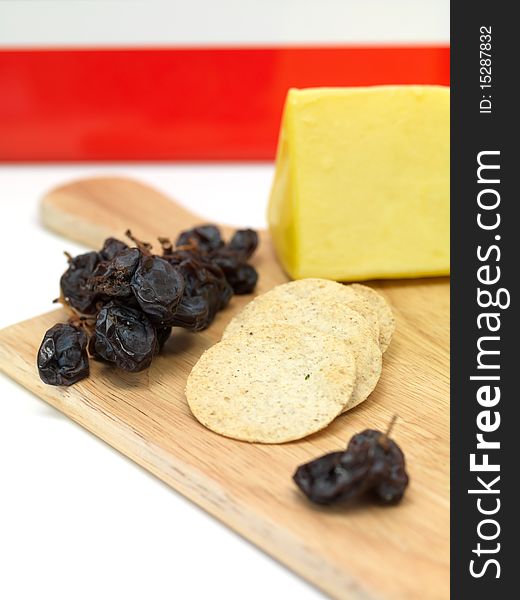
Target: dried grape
(74, 283)
(124, 300)
(244, 241)
(125, 337)
(111, 247)
(372, 463)
(112, 277)
(240, 275)
(204, 238)
(62, 357)
(192, 313)
(158, 287)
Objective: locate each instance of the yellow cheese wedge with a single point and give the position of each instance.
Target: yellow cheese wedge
(361, 189)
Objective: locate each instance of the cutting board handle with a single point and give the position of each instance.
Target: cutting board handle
(90, 210)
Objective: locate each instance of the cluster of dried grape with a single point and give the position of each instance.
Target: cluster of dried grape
(372, 464)
(125, 300)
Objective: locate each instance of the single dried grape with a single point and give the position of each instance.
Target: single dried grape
(205, 238)
(206, 290)
(158, 287)
(74, 283)
(244, 279)
(327, 480)
(113, 277)
(240, 275)
(125, 337)
(214, 276)
(111, 247)
(244, 241)
(62, 357)
(204, 278)
(372, 463)
(192, 313)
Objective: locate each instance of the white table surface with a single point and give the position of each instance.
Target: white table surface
(78, 520)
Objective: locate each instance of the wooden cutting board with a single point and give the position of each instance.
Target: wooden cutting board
(359, 552)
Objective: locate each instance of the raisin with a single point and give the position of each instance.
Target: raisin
(240, 275)
(216, 277)
(125, 337)
(244, 279)
(113, 277)
(62, 357)
(372, 463)
(192, 313)
(204, 238)
(244, 241)
(158, 287)
(74, 283)
(126, 300)
(204, 278)
(111, 247)
(327, 480)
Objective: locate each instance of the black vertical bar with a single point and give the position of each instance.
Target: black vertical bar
(474, 132)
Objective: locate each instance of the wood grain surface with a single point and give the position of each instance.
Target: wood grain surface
(358, 552)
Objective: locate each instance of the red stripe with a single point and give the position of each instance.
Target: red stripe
(192, 104)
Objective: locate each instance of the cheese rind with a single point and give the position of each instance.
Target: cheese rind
(361, 188)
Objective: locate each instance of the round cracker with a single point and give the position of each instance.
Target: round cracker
(308, 305)
(383, 311)
(276, 384)
(334, 299)
(324, 292)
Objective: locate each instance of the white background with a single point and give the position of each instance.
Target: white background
(222, 22)
(77, 519)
